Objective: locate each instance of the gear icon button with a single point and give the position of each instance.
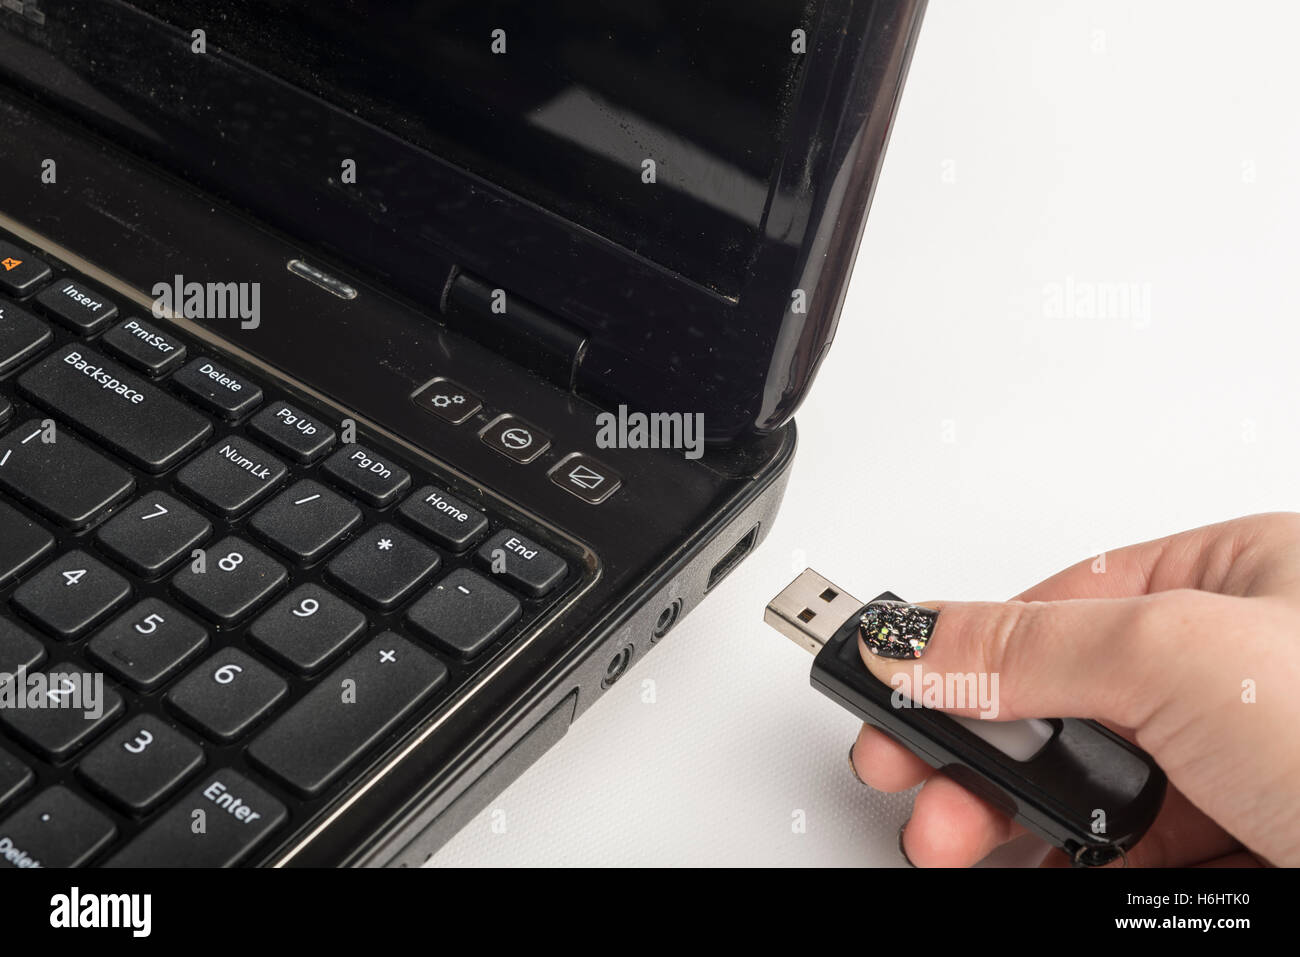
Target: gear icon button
(448, 400)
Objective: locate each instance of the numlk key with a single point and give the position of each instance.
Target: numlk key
(231, 476)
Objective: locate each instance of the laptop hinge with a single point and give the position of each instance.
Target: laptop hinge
(515, 328)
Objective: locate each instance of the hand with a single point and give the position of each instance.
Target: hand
(1188, 645)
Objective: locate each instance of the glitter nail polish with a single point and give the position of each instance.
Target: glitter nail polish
(896, 629)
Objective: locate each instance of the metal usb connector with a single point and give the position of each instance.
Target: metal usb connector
(810, 610)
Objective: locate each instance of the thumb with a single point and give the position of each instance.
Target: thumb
(1105, 658)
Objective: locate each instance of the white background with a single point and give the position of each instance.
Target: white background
(963, 440)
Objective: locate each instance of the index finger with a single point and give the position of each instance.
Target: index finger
(1204, 558)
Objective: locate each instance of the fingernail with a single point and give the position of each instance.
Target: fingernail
(853, 767)
(901, 849)
(896, 629)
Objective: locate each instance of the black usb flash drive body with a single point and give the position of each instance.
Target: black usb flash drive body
(1072, 781)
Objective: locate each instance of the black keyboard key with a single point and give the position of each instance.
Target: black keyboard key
(218, 388)
(370, 477)
(522, 563)
(464, 613)
(237, 815)
(227, 694)
(17, 649)
(62, 479)
(22, 543)
(306, 628)
(15, 777)
(148, 644)
(144, 346)
(383, 565)
(153, 533)
(20, 271)
(54, 829)
(237, 577)
(74, 706)
(288, 429)
(123, 411)
(446, 519)
(390, 678)
(231, 476)
(141, 763)
(81, 307)
(306, 520)
(71, 594)
(22, 335)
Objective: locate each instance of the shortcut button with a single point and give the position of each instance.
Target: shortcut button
(447, 400)
(515, 438)
(583, 476)
(20, 271)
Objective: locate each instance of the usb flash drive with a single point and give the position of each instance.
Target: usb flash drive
(1073, 782)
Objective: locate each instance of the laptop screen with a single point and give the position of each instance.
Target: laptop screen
(578, 106)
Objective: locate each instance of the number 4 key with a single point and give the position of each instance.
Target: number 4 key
(71, 594)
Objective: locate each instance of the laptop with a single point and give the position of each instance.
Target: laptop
(379, 383)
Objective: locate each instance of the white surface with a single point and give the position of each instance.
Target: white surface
(960, 442)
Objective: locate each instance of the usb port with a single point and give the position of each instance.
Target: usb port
(733, 558)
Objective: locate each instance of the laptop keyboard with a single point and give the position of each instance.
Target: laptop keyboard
(211, 607)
